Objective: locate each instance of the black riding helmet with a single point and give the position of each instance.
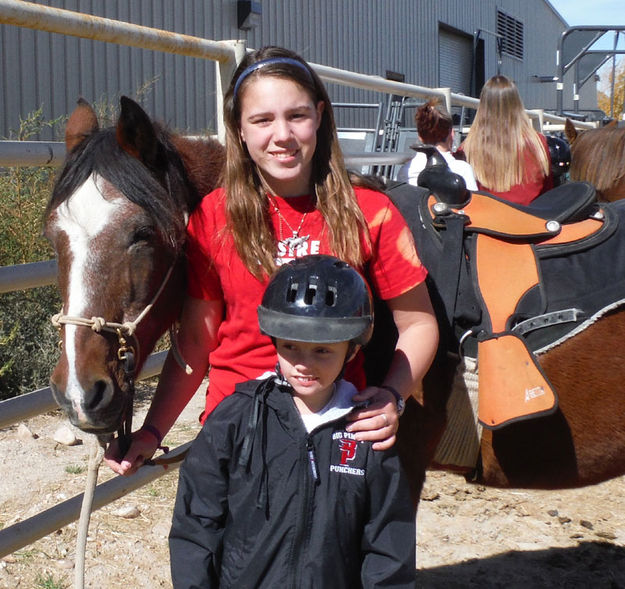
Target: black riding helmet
(560, 153)
(317, 299)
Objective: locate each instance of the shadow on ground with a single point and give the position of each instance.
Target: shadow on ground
(590, 565)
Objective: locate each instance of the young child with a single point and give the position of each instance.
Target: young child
(274, 492)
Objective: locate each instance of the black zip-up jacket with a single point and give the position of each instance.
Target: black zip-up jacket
(263, 503)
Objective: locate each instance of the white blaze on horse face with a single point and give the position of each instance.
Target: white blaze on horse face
(82, 217)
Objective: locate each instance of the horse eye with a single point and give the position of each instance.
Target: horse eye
(141, 234)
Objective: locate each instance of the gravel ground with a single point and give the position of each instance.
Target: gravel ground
(468, 536)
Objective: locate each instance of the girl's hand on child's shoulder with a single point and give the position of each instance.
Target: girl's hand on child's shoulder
(375, 417)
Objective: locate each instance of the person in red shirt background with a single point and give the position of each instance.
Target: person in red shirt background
(509, 157)
(286, 193)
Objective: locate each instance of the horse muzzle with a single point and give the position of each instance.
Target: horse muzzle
(93, 407)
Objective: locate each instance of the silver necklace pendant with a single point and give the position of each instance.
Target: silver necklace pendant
(296, 241)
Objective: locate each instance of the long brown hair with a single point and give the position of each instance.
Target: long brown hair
(500, 134)
(247, 204)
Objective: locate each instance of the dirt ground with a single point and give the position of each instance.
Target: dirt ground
(468, 536)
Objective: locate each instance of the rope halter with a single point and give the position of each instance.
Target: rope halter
(125, 353)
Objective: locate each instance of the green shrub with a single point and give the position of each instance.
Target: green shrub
(47, 581)
(27, 338)
(24, 192)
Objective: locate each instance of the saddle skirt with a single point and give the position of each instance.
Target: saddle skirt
(508, 282)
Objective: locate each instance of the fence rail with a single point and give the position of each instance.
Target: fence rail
(227, 54)
(32, 529)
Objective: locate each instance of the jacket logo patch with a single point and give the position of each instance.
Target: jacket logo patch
(348, 450)
(347, 447)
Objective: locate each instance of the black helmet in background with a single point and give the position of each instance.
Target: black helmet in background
(317, 299)
(560, 153)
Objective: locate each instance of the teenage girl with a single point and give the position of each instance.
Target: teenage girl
(509, 157)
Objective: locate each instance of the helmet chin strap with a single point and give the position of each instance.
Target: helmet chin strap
(281, 380)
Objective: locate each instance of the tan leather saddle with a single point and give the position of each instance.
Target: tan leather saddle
(496, 246)
(511, 382)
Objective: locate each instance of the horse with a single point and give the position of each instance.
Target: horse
(598, 157)
(117, 221)
(579, 439)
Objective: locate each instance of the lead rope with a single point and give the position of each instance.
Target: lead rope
(96, 454)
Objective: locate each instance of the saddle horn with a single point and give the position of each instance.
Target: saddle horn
(448, 187)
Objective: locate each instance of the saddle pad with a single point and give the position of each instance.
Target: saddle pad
(512, 385)
(459, 447)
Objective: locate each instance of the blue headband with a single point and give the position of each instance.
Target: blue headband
(262, 63)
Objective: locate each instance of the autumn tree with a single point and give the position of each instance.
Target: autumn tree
(604, 93)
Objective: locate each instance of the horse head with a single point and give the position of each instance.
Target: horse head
(117, 220)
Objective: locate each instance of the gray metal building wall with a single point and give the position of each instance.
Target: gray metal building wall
(50, 70)
(368, 36)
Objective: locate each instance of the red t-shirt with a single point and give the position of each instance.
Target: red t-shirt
(534, 184)
(217, 273)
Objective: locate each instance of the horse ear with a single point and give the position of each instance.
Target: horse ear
(135, 132)
(570, 131)
(81, 123)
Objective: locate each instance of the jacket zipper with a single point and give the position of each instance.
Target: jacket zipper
(312, 460)
(302, 535)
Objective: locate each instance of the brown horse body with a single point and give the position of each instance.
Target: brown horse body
(128, 261)
(598, 157)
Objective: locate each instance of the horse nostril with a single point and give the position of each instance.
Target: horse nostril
(97, 394)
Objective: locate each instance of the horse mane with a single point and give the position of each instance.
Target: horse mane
(589, 161)
(167, 194)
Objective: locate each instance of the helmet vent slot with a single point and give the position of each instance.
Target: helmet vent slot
(291, 293)
(331, 296)
(310, 293)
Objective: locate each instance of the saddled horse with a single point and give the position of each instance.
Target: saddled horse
(534, 297)
(117, 220)
(598, 157)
